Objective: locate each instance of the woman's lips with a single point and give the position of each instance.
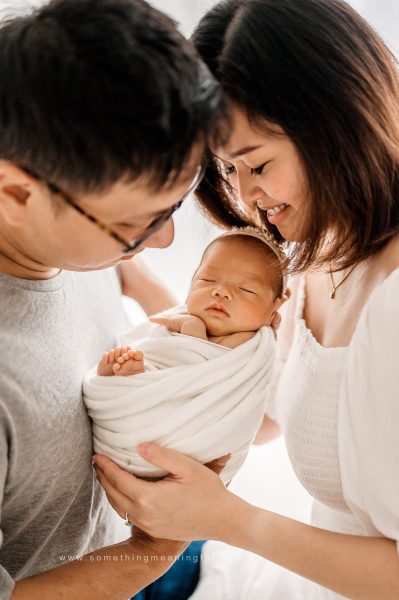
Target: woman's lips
(276, 219)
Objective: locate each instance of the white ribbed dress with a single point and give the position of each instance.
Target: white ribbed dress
(339, 411)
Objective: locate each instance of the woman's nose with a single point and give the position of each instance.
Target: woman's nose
(221, 292)
(163, 237)
(248, 190)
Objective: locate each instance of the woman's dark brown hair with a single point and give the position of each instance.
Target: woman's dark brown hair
(319, 71)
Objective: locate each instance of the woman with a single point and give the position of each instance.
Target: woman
(314, 155)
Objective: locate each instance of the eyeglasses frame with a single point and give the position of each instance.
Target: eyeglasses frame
(129, 246)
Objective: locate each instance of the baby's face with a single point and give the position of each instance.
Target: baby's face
(232, 289)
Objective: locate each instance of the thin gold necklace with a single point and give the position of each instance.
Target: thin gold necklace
(335, 287)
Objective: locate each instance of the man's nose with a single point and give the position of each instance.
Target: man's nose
(163, 237)
(221, 291)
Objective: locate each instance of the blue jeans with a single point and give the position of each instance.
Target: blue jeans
(180, 581)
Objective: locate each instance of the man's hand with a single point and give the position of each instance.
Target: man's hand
(183, 323)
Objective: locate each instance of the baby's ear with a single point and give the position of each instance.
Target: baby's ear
(281, 299)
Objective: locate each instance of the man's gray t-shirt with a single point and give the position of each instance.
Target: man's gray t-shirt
(51, 333)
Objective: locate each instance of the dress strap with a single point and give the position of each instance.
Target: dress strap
(300, 299)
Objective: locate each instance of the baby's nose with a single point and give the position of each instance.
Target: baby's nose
(221, 292)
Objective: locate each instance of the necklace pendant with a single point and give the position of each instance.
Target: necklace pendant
(332, 295)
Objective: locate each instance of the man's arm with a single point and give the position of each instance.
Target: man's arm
(268, 431)
(139, 283)
(115, 572)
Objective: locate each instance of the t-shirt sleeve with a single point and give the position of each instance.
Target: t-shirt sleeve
(368, 425)
(6, 582)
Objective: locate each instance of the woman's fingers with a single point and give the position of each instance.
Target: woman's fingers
(170, 460)
(190, 503)
(121, 480)
(119, 502)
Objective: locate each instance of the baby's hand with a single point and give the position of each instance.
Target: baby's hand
(186, 324)
(121, 361)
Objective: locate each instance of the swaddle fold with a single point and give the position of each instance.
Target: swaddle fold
(198, 397)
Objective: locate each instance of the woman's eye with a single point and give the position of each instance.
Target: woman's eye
(208, 280)
(258, 170)
(246, 290)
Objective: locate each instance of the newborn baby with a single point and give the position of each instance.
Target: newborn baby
(196, 380)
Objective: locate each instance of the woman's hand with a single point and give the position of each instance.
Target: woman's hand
(191, 503)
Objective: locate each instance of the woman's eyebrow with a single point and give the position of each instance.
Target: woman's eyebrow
(244, 150)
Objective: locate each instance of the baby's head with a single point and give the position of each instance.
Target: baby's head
(238, 286)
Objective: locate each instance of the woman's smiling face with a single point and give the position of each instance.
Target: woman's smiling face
(267, 174)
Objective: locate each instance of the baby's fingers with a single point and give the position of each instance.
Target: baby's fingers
(167, 322)
(159, 320)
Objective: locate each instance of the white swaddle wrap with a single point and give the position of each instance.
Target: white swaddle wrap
(200, 398)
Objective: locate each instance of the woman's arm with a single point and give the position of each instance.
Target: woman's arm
(192, 503)
(357, 567)
(139, 283)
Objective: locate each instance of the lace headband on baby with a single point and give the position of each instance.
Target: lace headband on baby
(270, 241)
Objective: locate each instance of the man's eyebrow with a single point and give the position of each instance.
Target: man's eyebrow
(151, 216)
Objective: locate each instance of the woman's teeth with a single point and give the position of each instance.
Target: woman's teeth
(276, 209)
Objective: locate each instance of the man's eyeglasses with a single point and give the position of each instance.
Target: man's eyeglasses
(129, 245)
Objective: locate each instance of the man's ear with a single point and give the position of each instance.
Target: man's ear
(15, 190)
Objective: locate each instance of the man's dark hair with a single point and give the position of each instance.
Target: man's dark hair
(318, 70)
(95, 90)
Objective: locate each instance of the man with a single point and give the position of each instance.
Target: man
(104, 115)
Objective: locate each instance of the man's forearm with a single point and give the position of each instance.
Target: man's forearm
(139, 283)
(268, 431)
(115, 572)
